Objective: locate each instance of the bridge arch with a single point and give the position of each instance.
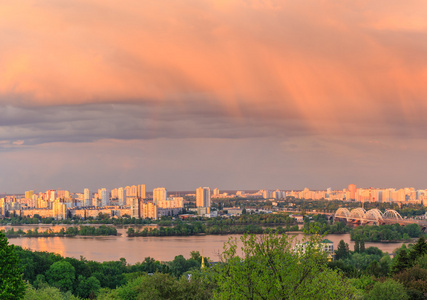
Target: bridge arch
(392, 214)
(357, 213)
(342, 213)
(374, 215)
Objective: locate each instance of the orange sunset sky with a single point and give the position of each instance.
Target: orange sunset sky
(234, 94)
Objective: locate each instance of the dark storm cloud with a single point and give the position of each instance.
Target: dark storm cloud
(86, 123)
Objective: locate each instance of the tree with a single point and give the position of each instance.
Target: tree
(47, 293)
(61, 274)
(415, 280)
(342, 250)
(11, 284)
(88, 287)
(271, 268)
(401, 261)
(385, 263)
(362, 246)
(419, 249)
(388, 290)
(374, 269)
(356, 246)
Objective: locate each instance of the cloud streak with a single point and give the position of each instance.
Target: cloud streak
(317, 59)
(320, 80)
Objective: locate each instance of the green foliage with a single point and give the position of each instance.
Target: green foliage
(388, 290)
(325, 228)
(418, 250)
(362, 246)
(88, 287)
(11, 283)
(61, 274)
(422, 261)
(357, 246)
(415, 280)
(70, 231)
(363, 283)
(393, 232)
(161, 286)
(342, 250)
(180, 265)
(271, 269)
(385, 265)
(401, 262)
(47, 293)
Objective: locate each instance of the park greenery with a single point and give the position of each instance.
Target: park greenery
(266, 266)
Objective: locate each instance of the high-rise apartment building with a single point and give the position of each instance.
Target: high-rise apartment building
(87, 198)
(51, 195)
(127, 188)
(133, 191)
(159, 194)
(105, 199)
(114, 194)
(122, 196)
(203, 197)
(148, 210)
(29, 194)
(352, 189)
(59, 210)
(134, 208)
(141, 191)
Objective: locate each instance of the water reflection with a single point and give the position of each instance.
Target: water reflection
(135, 249)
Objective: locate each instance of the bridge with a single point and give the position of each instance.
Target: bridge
(374, 217)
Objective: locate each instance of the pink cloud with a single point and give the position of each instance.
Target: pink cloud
(326, 62)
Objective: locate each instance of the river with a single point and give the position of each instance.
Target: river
(135, 249)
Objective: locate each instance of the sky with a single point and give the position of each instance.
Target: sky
(235, 94)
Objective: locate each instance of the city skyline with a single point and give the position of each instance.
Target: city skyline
(182, 94)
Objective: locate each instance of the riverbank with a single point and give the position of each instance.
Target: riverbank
(63, 232)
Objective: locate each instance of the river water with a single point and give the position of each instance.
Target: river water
(135, 249)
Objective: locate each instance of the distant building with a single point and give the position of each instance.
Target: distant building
(114, 193)
(324, 245)
(105, 198)
(174, 202)
(87, 197)
(148, 210)
(59, 210)
(159, 194)
(29, 194)
(134, 208)
(141, 191)
(122, 196)
(352, 189)
(133, 191)
(203, 198)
